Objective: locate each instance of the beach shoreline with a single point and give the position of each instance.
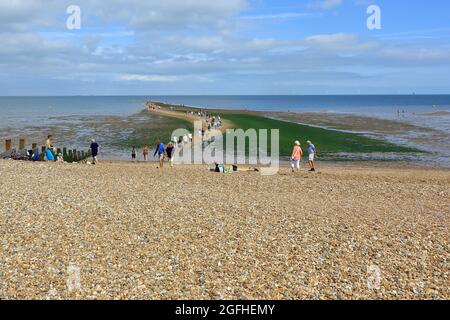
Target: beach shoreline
(120, 134)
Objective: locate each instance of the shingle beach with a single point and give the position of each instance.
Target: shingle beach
(132, 231)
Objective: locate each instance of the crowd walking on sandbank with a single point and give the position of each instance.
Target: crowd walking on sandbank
(162, 152)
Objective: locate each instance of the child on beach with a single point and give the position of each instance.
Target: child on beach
(145, 152)
(297, 155)
(133, 154)
(59, 158)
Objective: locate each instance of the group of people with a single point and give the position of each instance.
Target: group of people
(153, 106)
(161, 151)
(212, 122)
(48, 153)
(297, 155)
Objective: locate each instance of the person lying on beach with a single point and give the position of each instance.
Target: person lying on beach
(312, 152)
(249, 169)
(221, 168)
(297, 154)
(160, 151)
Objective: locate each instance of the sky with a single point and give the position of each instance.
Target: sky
(224, 47)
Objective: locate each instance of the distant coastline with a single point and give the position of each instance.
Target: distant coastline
(437, 113)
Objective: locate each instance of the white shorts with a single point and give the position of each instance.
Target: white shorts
(311, 157)
(295, 164)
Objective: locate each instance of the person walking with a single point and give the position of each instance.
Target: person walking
(133, 154)
(160, 149)
(48, 155)
(145, 152)
(297, 154)
(48, 142)
(94, 151)
(170, 153)
(312, 152)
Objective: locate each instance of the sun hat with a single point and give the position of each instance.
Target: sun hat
(297, 143)
(309, 142)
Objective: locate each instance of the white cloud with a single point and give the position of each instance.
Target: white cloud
(325, 4)
(147, 78)
(280, 16)
(167, 14)
(148, 44)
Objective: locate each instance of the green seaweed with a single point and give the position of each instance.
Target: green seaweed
(326, 141)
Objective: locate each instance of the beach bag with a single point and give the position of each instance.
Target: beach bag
(49, 155)
(36, 156)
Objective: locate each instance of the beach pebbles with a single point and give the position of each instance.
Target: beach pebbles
(131, 231)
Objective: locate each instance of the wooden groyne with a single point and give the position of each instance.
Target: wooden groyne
(69, 155)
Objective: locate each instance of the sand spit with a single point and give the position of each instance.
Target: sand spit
(121, 231)
(437, 113)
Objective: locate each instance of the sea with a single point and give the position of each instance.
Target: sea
(22, 113)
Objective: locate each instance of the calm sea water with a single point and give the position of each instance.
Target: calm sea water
(25, 112)
(382, 106)
(361, 104)
(25, 109)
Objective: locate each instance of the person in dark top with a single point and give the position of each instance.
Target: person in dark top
(94, 150)
(170, 153)
(160, 148)
(133, 154)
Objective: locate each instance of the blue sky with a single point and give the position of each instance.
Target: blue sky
(224, 47)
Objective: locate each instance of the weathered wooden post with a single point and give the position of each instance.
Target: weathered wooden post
(79, 156)
(22, 144)
(70, 156)
(75, 154)
(65, 156)
(8, 145)
(83, 155)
